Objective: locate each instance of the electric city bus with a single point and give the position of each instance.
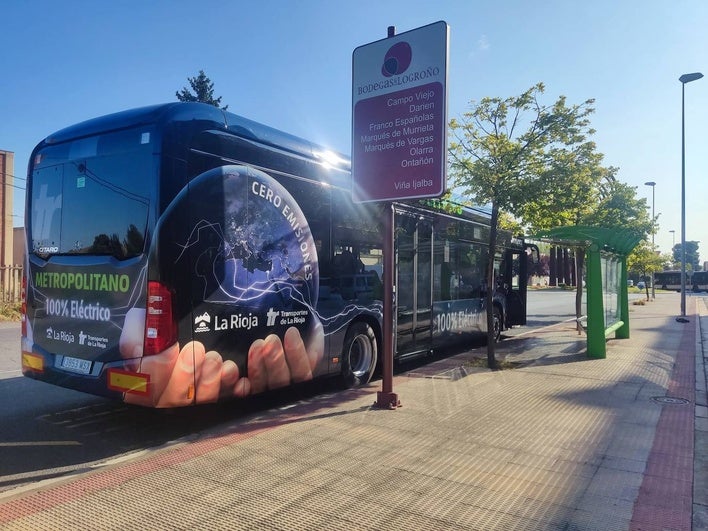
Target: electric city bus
(670, 280)
(699, 281)
(179, 254)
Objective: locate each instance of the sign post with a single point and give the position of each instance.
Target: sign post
(399, 141)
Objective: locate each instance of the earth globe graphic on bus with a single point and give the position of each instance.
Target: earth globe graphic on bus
(236, 251)
(267, 256)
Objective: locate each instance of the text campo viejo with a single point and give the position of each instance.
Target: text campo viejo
(412, 77)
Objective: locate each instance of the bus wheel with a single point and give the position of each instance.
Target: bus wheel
(497, 325)
(359, 355)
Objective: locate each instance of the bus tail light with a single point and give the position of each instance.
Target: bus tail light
(160, 326)
(23, 307)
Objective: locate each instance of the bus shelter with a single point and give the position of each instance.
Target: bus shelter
(606, 279)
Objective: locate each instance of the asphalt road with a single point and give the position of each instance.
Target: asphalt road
(549, 306)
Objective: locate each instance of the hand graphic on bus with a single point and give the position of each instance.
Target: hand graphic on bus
(273, 364)
(179, 376)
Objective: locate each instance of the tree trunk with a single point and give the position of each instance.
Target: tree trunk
(491, 359)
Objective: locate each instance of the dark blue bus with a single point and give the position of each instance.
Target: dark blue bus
(699, 281)
(179, 254)
(670, 280)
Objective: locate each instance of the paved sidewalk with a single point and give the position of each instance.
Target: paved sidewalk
(561, 442)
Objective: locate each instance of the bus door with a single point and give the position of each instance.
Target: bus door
(515, 280)
(414, 303)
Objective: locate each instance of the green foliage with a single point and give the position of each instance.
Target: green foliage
(693, 262)
(566, 190)
(442, 204)
(203, 91)
(643, 260)
(618, 206)
(502, 148)
(509, 223)
(10, 311)
(667, 262)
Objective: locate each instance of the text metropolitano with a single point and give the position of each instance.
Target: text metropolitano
(83, 281)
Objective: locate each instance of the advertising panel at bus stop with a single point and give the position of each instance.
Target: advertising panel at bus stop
(399, 100)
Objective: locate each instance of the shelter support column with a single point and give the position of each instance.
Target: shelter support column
(596, 312)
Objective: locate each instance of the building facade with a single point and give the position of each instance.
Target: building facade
(10, 259)
(7, 172)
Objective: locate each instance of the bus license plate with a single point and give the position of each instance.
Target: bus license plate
(76, 365)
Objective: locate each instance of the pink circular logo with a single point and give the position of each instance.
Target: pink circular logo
(397, 59)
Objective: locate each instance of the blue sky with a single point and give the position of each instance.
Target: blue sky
(288, 64)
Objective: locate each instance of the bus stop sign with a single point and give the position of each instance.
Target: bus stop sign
(399, 110)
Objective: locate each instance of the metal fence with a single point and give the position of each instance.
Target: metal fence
(10, 283)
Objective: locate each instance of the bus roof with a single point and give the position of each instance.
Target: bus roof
(218, 119)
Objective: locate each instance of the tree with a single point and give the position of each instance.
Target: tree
(508, 223)
(693, 262)
(644, 261)
(619, 206)
(203, 91)
(565, 193)
(567, 189)
(667, 262)
(498, 152)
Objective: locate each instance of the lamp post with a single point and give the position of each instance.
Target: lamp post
(685, 78)
(653, 217)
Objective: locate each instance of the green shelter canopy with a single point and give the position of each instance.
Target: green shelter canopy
(599, 241)
(613, 240)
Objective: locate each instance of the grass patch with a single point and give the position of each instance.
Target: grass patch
(10, 311)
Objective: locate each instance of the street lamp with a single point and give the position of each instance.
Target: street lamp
(653, 187)
(673, 239)
(685, 78)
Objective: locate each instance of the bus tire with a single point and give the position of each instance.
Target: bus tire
(497, 324)
(359, 355)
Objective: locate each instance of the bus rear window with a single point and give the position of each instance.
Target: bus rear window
(92, 195)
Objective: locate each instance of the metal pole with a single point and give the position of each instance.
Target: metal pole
(685, 78)
(683, 202)
(653, 230)
(653, 249)
(386, 398)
